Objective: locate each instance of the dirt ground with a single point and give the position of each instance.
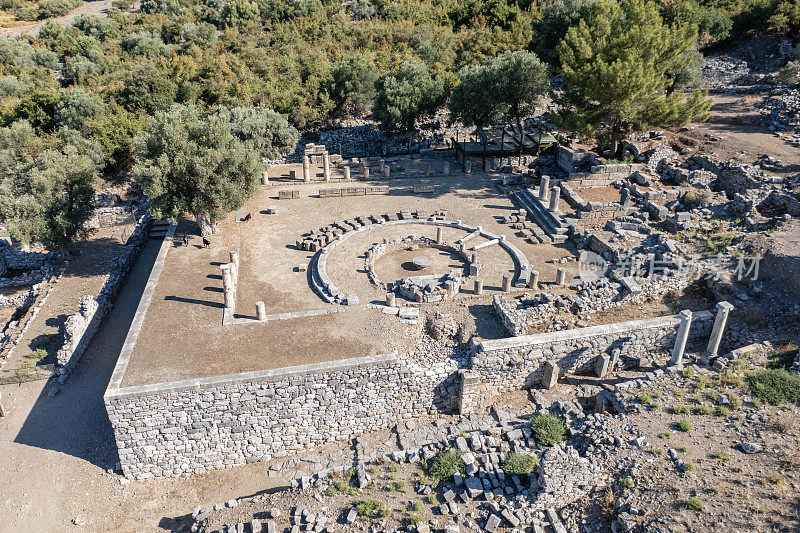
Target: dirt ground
(734, 130)
(91, 262)
(55, 451)
(187, 304)
(18, 28)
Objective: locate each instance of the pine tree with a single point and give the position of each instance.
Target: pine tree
(616, 64)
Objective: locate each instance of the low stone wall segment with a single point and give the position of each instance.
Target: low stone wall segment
(514, 363)
(81, 327)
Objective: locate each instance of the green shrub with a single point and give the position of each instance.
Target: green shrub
(548, 429)
(38, 354)
(690, 198)
(626, 482)
(775, 386)
(446, 464)
(688, 372)
(685, 425)
(520, 464)
(695, 504)
(400, 486)
(432, 499)
(701, 382)
(681, 409)
(369, 507)
(416, 506)
(723, 411)
(703, 409)
(415, 518)
(646, 399)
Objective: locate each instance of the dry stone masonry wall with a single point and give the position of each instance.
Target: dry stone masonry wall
(189, 427)
(80, 327)
(519, 362)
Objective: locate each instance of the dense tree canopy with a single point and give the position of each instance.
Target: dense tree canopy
(406, 96)
(46, 186)
(615, 64)
(190, 162)
(226, 63)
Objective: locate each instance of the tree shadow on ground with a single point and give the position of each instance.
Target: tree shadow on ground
(74, 421)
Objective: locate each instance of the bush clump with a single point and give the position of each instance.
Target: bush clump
(695, 504)
(520, 464)
(446, 464)
(775, 386)
(548, 429)
(685, 425)
(368, 508)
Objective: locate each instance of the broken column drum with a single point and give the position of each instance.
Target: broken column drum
(326, 166)
(544, 185)
(555, 194)
(561, 276)
(681, 337)
(227, 285)
(306, 169)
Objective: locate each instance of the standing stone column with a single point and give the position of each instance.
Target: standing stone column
(446, 168)
(347, 172)
(227, 285)
(366, 170)
(723, 309)
(261, 311)
(506, 283)
(550, 375)
(2, 409)
(387, 171)
(626, 198)
(265, 178)
(561, 276)
(681, 337)
(326, 166)
(438, 235)
(468, 166)
(601, 367)
(234, 256)
(478, 286)
(390, 299)
(533, 280)
(306, 169)
(382, 164)
(554, 197)
(544, 186)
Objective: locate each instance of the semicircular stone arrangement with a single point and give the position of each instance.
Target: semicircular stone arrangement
(324, 287)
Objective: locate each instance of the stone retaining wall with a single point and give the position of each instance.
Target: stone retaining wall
(603, 175)
(569, 159)
(518, 362)
(195, 425)
(80, 327)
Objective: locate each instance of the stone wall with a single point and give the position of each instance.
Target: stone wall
(518, 362)
(603, 175)
(80, 327)
(195, 425)
(569, 159)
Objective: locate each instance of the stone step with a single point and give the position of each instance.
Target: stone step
(553, 225)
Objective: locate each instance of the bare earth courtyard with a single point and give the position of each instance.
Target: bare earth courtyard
(182, 336)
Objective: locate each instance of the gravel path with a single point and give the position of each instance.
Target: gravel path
(100, 7)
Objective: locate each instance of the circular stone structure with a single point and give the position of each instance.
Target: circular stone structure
(321, 283)
(421, 262)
